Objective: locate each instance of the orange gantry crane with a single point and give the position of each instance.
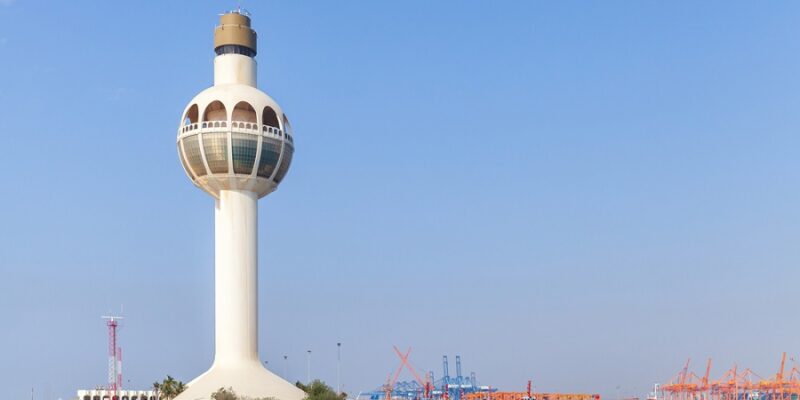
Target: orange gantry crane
(734, 385)
(391, 380)
(687, 385)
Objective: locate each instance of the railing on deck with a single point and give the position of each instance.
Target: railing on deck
(235, 125)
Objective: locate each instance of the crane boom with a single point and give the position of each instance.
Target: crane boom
(685, 372)
(705, 377)
(404, 361)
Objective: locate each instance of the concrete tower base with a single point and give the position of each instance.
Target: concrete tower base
(251, 381)
(236, 362)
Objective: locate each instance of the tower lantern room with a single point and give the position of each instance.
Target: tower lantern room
(234, 35)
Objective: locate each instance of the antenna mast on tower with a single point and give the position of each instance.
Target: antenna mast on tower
(114, 355)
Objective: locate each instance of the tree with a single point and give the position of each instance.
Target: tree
(318, 390)
(169, 388)
(230, 394)
(224, 394)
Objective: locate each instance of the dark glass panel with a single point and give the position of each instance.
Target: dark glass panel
(235, 49)
(244, 152)
(288, 152)
(270, 151)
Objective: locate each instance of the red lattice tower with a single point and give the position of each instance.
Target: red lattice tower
(114, 356)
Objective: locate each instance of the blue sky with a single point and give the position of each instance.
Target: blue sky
(579, 193)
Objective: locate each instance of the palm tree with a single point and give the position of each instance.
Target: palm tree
(169, 388)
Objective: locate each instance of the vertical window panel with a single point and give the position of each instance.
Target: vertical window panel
(270, 151)
(183, 161)
(288, 152)
(244, 152)
(191, 147)
(216, 148)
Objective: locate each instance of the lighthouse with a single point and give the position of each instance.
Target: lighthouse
(235, 143)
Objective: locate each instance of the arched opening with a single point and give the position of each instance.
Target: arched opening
(191, 115)
(96, 398)
(215, 112)
(244, 112)
(87, 397)
(268, 117)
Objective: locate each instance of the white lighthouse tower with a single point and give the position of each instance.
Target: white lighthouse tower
(236, 144)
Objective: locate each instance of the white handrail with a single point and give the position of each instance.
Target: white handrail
(234, 126)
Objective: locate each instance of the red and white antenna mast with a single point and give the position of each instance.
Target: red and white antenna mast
(114, 356)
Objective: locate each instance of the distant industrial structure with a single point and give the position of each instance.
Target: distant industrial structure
(114, 355)
(114, 390)
(531, 396)
(735, 384)
(458, 387)
(426, 387)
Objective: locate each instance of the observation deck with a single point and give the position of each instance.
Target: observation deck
(235, 155)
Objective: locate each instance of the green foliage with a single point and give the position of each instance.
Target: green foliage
(230, 394)
(224, 394)
(169, 388)
(318, 390)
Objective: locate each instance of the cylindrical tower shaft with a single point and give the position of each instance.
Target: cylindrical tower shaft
(234, 68)
(236, 280)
